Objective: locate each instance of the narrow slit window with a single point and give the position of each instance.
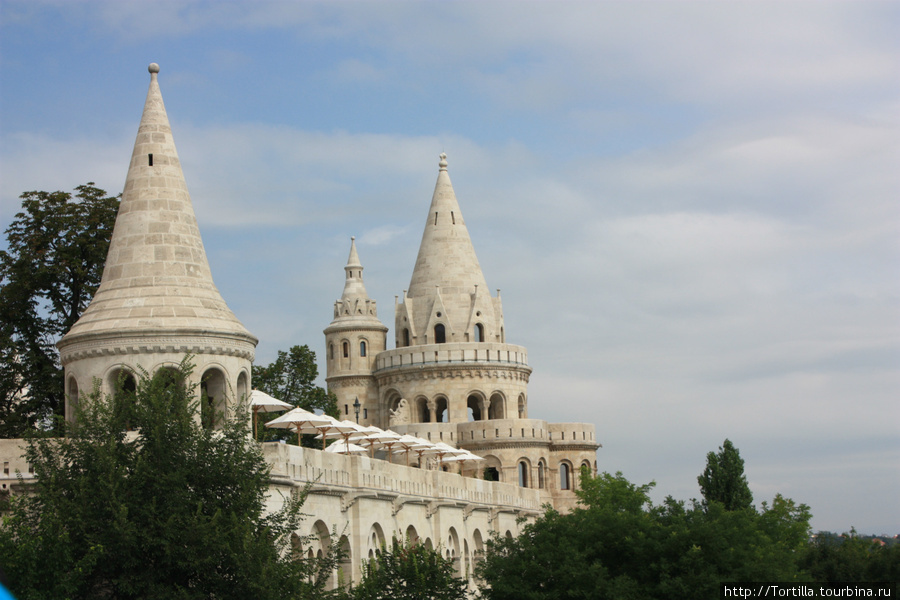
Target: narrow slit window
(435, 217)
(150, 160)
(453, 217)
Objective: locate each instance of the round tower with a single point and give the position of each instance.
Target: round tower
(352, 340)
(451, 363)
(157, 301)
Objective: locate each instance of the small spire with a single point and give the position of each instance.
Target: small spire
(353, 259)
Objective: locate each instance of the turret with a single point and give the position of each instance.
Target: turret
(157, 301)
(352, 341)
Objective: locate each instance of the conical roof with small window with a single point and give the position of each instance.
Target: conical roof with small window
(157, 277)
(448, 288)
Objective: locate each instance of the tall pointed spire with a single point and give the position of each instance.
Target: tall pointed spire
(446, 255)
(447, 289)
(157, 276)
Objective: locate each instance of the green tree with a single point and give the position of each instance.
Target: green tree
(724, 481)
(849, 557)
(617, 544)
(409, 571)
(169, 510)
(291, 378)
(48, 274)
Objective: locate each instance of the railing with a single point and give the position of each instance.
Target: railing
(459, 352)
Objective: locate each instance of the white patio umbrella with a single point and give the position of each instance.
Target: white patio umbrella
(341, 429)
(376, 438)
(342, 447)
(446, 450)
(304, 422)
(420, 446)
(463, 458)
(405, 444)
(262, 402)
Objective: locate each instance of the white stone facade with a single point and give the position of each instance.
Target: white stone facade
(451, 376)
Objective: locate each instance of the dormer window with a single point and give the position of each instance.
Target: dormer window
(440, 335)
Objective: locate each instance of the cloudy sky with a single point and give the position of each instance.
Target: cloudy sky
(691, 209)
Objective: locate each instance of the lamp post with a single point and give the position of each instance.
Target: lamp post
(356, 406)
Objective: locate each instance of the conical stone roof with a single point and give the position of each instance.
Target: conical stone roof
(447, 286)
(157, 277)
(446, 256)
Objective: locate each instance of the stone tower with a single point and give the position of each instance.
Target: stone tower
(452, 376)
(352, 340)
(451, 363)
(157, 301)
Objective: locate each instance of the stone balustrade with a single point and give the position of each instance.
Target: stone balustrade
(453, 353)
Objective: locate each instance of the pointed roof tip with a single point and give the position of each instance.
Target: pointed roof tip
(443, 162)
(353, 259)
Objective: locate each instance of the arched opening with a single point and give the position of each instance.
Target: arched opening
(523, 412)
(541, 483)
(243, 388)
(123, 386)
(362, 348)
(453, 550)
(72, 397)
(497, 409)
(376, 539)
(440, 335)
(565, 476)
(586, 464)
(478, 548)
(479, 332)
(406, 337)
(345, 348)
(491, 468)
(421, 412)
(320, 548)
(344, 570)
(412, 536)
(213, 404)
(473, 406)
(442, 414)
(523, 474)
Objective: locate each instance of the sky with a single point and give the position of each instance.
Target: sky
(692, 209)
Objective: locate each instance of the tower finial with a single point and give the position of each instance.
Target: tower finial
(153, 68)
(443, 163)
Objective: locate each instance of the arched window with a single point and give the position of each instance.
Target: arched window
(362, 349)
(406, 337)
(522, 412)
(541, 483)
(523, 473)
(73, 399)
(565, 476)
(479, 332)
(346, 349)
(440, 335)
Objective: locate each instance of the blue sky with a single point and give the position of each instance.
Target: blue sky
(691, 208)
